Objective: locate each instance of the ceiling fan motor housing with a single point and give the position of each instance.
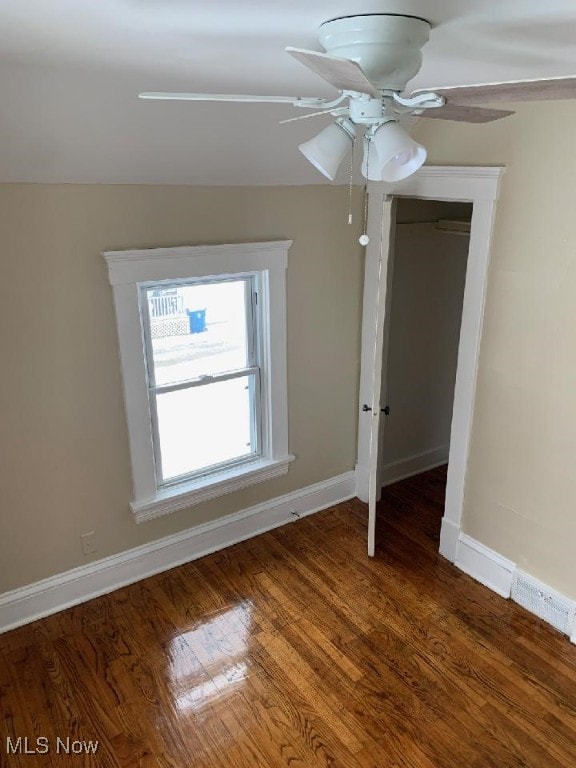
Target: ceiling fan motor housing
(386, 46)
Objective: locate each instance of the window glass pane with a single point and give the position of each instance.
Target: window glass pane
(197, 330)
(205, 425)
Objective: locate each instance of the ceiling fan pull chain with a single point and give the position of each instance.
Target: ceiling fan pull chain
(364, 239)
(350, 181)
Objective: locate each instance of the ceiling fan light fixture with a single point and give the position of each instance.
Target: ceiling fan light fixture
(403, 157)
(327, 150)
(393, 154)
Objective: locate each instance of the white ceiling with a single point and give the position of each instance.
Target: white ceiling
(70, 72)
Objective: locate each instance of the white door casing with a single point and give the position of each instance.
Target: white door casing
(454, 183)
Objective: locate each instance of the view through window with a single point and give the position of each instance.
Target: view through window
(203, 374)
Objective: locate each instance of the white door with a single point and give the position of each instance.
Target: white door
(377, 280)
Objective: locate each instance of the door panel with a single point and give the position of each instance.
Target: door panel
(378, 273)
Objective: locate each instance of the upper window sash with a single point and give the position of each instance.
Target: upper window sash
(252, 322)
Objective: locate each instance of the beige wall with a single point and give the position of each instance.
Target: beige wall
(64, 462)
(425, 318)
(521, 480)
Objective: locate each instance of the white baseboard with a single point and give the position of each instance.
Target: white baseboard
(26, 604)
(414, 465)
(503, 577)
(484, 565)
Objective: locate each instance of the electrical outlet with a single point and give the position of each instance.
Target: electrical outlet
(88, 541)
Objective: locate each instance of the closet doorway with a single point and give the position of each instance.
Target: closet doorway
(426, 295)
(452, 193)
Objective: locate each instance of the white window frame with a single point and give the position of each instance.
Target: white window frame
(127, 271)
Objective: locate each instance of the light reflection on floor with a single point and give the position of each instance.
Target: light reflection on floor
(200, 695)
(209, 661)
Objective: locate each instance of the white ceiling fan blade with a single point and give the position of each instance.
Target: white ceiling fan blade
(296, 101)
(553, 88)
(343, 74)
(466, 114)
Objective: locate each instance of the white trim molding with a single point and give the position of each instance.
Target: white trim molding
(479, 186)
(449, 534)
(173, 498)
(151, 264)
(484, 565)
(26, 604)
(128, 271)
(502, 576)
(449, 182)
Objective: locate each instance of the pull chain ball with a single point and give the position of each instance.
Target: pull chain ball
(363, 239)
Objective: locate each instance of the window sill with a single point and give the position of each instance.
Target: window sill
(187, 494)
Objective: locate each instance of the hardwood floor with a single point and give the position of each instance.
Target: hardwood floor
(294, 649)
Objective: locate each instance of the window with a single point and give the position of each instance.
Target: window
(202, 335)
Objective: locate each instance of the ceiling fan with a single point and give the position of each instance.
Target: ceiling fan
(370, 58)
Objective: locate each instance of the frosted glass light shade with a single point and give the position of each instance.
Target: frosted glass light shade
(393, 155)
(328, 149)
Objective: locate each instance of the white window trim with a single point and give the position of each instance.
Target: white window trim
(126, 270)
